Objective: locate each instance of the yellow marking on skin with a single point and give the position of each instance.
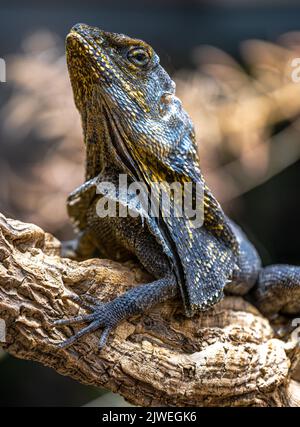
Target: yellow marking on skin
(190, 233)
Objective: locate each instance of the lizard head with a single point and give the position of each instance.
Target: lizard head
(122, 81)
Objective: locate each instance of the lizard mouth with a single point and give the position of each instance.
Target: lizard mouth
(86, 55)
(88, 72)
(83, 54)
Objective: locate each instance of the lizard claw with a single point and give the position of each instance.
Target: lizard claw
(103, 338)
(102, 316)
(86, 301)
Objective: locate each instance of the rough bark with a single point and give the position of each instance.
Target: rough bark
(228, 356)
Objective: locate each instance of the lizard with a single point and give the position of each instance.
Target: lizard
(134, 125)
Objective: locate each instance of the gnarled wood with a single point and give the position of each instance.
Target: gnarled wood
(228, 356)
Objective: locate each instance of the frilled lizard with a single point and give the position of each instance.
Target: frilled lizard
(134, 125)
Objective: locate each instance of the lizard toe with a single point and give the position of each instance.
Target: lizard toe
(103, 316)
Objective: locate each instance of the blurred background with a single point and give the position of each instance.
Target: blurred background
(233, 64)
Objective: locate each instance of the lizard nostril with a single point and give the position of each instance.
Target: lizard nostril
(165, 100)
(79, 28)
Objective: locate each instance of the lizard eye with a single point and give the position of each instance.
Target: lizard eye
(138, 56)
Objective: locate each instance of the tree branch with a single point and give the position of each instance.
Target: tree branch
(228, 356)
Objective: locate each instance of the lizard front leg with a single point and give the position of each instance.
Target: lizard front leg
(108, 315)
(135, 301)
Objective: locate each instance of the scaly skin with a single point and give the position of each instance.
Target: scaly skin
(134, 124)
